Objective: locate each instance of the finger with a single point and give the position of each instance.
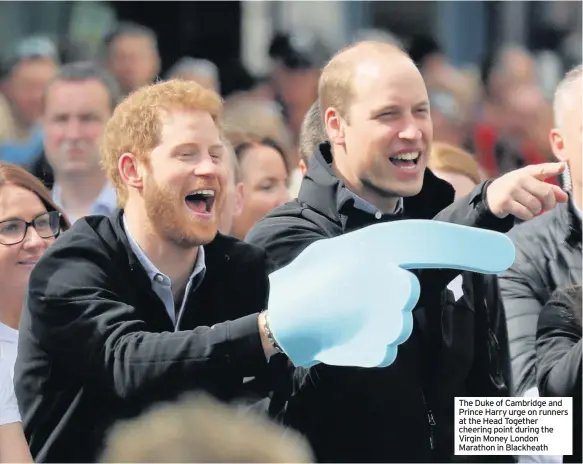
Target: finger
(543, 193)
(426, 244)
(520, 211)
(545, 170)
(560, 195)
(529, 201)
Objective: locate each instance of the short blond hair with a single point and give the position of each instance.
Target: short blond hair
(136, 124)
(335, 87)
(448, 158)
(560, 93)
(200, 429)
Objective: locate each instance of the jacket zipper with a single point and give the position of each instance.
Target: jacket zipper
(430, 420)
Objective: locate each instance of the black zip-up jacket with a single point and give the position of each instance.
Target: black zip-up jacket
(548, 257)
(97, 345)
(558, 357)
(405, 412)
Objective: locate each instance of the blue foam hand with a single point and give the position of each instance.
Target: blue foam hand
(348, 301)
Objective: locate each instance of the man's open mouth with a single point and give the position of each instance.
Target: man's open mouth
(406, 160)
(201, 201)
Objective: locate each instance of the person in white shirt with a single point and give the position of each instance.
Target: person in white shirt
(13, 446)
(29, 223)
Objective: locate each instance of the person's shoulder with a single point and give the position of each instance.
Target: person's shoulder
(288, 219)
(91, 232)
(89, 239)
(536, 228)
(537, 238)
(235, 250)
(291, 209)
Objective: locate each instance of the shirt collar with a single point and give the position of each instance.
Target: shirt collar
(105, 203)
(149, 266)
(363, 205)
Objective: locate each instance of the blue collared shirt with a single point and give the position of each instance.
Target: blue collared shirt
(161, 283)
(105, 203)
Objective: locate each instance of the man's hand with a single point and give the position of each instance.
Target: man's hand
(524, 194)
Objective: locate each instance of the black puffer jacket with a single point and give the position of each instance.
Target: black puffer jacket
(548, 257)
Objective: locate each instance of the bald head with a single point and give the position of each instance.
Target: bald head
(565, 137)
(336, 86)
(567, 95)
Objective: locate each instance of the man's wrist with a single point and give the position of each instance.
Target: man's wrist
(489, 219)
(270, 345)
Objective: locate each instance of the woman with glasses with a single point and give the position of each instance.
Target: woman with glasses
(29, 223)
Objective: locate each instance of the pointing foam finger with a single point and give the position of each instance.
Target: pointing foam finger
(425, 244)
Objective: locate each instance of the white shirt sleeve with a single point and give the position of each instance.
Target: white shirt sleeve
(8, 406)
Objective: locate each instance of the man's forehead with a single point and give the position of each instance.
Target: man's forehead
(378, 82)
(189, 127)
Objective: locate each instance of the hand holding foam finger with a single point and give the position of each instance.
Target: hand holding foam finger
(348, 301)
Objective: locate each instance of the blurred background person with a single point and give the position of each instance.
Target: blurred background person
(297, 59)
(267, 122)
(29, 223)
(201, 429)
(450, 121)
(78, 103)
(514, 115)
(559, 357)
(31, 66)
(455, 166)
(132, 56)
(204, 72)
(264, 178)
(233, 191)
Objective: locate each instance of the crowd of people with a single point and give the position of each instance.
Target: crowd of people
(143, 219)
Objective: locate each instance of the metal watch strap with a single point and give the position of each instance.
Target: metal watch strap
(269, 334)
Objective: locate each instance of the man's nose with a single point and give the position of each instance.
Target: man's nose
(411, 130)
(72, 130)
(208, 167)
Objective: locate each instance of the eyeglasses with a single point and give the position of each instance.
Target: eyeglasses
(13, 231)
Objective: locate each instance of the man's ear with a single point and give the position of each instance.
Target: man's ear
(131, 171)
(335, 126)
(558, 145)
(303, 167)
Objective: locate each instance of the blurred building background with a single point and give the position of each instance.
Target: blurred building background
(227, 31)
(490, 66)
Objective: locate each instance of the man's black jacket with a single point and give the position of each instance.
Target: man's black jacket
(548, 257)
(559, 369)
(457, 348)
(97, 345)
